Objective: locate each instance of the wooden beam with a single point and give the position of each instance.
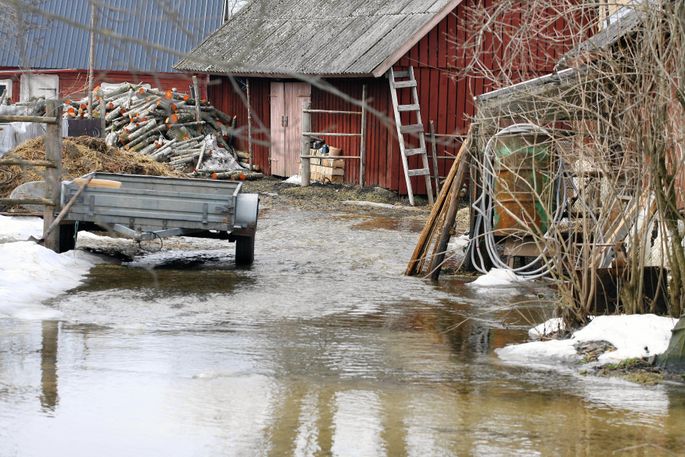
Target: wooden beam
(27, 163)
(6, 118)
(419, 254)
(53, 176)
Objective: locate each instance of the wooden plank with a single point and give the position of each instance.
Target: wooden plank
(53, 176)
(413, 152)
(434, 153)
(362, 145)
(7, 118)
(419, 172)
(27, 163)
(445, 235)
(429, 229)
(412, 128)
(407, 108)
(404, 84)
(26, 201)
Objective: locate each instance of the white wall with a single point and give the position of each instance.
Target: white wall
(37, 85)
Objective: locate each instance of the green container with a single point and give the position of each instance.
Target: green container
(523, 186)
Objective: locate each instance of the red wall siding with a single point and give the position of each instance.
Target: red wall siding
(74, 83)
(229, 96)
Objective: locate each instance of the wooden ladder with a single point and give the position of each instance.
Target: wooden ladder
(404, 79)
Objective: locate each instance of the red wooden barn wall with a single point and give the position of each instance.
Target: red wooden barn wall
(74, 83)
(443, 99)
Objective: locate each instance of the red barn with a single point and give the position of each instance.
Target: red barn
(291, 52)
(45, 50)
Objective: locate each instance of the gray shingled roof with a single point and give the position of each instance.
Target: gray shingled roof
(55, 44)
(315, 37)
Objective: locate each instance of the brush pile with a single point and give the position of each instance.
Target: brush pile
(167, 126)
(80, 156)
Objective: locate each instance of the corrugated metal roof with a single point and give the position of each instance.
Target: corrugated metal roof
(54, 43)
(314, 37)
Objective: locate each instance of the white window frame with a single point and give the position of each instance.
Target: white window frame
(8, 87)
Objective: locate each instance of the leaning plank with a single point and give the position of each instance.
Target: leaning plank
(445, 235)
(419, 254)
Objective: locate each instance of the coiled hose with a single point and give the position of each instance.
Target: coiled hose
(483, 234)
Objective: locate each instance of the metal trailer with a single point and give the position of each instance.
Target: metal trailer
(149, 207)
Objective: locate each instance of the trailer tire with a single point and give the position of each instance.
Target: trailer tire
(244, 250)
(67, 237)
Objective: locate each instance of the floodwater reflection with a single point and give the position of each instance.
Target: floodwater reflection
(48, 365)
(322, 348)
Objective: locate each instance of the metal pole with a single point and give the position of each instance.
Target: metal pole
(249, 123)
(362, 144)
(53, 176)
(304, 161)
(91, 60)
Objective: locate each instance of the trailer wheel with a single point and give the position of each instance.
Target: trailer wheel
(67, 237)
(244, 250)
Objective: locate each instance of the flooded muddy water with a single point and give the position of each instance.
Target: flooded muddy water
(321, 348)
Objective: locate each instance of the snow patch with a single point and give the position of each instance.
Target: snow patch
(458, 244)
(497, 277)
(30, 274)
(554, 325)
(295, 179)
(637, 335)
(20, 228)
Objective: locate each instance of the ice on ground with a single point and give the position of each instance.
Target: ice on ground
(30, 274)
(554, 325)
(497, 277)
(636, 335)
(539, 352)
(20, 228)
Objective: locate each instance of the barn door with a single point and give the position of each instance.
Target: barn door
(287, 102)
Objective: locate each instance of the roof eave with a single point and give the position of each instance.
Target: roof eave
(391, 60)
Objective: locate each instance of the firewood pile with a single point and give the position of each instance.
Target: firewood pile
(166, 126)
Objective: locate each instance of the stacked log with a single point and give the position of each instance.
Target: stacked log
(165, 125)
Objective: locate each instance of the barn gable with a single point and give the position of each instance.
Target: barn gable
(333, 38)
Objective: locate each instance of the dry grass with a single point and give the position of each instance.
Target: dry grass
(80, 156)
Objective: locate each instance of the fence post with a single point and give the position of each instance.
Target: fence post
(362, 143)
(305, 162)
(249, 124)
(196, 90)
(436, 173)
(53, 176)
(103, 121)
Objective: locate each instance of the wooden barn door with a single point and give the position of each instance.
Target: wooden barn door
(287, 101)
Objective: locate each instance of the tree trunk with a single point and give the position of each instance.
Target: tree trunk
(673, 359)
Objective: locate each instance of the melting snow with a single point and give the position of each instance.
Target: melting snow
(497, 277)
(637, 335)
(30, 274)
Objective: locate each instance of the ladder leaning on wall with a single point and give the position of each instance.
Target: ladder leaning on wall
(404, 79)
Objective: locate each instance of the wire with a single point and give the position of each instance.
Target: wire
(483, 233)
